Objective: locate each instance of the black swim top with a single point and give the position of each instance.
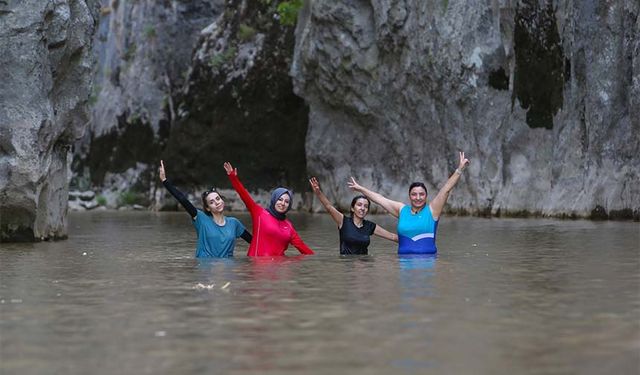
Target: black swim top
(354, 240)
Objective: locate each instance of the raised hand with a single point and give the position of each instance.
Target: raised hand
(354, 185)
(315, 185)
(229, 168)
(463, 161)
(161, 172)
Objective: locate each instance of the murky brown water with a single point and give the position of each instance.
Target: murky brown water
(502, 297)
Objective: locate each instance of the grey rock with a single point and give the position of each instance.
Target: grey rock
(238, 104)
(82, 195)
(76, 206)
(45, 70)
(90, 205)
(144, 50)
(544, 98)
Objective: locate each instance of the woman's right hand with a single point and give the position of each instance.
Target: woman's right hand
(229, 168)
(315, 185)
(161, 172)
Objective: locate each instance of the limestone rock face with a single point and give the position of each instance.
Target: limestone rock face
(238, 104)
(45, 70)
(143, 51)
(544, 97)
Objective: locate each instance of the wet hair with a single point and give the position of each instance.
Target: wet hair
(355, 199)
(205, 194)
(418, 184)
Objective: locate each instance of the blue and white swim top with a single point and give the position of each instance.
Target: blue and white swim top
(417, 232)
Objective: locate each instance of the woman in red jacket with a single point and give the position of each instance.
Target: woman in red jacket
(272, 232)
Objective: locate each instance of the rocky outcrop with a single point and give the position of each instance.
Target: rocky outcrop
(543, 97)
(238, 104)
(200, 82)
(144, 51)
(45, 69)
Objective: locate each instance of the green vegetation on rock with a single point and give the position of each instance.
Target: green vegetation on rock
(288, 12)
(221, 58)
(245, 32)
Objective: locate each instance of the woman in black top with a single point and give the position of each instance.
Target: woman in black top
(355, 231)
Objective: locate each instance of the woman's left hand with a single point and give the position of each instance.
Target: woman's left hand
(161, 172)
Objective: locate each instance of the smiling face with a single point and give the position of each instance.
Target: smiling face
(417, 197)
(214, 203)
(282, 204)
(360, 207)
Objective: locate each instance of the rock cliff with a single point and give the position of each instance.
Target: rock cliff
(543, 96)
(238, 103)
(45, 69)
(201, 82)
(143, 51)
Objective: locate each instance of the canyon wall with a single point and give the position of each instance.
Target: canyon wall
(46, 72)
(543, 96)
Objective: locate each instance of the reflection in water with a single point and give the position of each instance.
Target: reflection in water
(416, 274)
(425, 262)
(125, 295)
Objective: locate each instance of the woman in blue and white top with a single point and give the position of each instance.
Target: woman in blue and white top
(417, 222)
(216, 232)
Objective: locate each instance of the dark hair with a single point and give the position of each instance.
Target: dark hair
(205, 194)
(418, 184)
(355, 199)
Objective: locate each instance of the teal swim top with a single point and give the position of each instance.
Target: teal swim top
(416, 232)
(216, 240)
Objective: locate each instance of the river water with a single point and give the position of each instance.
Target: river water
(124, 295)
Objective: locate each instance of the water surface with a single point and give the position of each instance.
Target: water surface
(124, 295)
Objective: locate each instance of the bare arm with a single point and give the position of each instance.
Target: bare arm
(336, 215)
(437, 204)
(383, 233)
(392, 207)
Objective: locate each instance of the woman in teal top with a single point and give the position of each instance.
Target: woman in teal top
(216, 232)
(417, 222)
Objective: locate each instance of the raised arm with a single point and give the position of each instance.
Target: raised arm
(392, 207)
(437, 203)
(176, 193)
(383, 233)
(232, 173)
(336, 215)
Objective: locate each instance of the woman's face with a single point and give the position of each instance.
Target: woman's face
(215, 204)
(360, 208)
(418, 197)
(282, 204)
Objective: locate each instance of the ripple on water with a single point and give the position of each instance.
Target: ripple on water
(526, 296)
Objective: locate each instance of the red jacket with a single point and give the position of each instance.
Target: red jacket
(270, 235)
